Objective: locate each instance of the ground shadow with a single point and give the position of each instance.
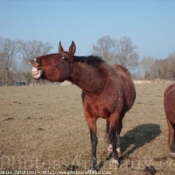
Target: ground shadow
(139, 136)
(136, 138)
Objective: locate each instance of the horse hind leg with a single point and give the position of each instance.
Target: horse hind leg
(114, 139)
(115, 123)
(119, 128)
(110, 149)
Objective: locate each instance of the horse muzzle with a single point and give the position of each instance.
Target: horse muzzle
(36, 73)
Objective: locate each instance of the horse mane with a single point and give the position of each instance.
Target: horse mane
(88, 59)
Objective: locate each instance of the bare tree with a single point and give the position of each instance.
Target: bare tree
(160, 69)
(9, 50)
(147, 64)
(11, 66)
(1, 69)
(125, 53)
(31, 50)
(119, 51)
(171, 66)
(104, 48)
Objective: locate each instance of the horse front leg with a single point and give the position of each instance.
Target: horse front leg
(94, 141)
(91, 121)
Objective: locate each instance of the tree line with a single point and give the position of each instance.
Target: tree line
(15, 54)
(158, 69)
(124, 52)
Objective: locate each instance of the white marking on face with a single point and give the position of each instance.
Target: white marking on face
(34, 59)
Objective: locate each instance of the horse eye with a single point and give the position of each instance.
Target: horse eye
(37, 61)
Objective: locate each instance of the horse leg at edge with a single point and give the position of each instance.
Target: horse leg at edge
(171, 138)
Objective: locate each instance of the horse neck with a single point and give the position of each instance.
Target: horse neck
(88, 77)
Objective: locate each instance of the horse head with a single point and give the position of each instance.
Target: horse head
(54, 67)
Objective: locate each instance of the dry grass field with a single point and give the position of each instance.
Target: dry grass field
(43, 130)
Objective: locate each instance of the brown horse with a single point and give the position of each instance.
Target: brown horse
(108, 90)
(169, 105)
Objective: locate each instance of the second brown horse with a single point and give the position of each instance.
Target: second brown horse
(108, 91)
(169, 106)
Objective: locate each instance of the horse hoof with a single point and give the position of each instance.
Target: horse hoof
(110, 148)
(172, 155)
(115, 162)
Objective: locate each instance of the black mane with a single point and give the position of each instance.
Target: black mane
(88, 59)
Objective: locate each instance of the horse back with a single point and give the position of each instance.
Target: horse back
(120, 69)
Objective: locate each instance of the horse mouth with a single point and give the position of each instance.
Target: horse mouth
(36, 73)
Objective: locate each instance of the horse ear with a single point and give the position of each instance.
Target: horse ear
(60, 48)
(72, 49)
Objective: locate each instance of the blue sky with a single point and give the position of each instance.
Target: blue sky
(149, 23)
